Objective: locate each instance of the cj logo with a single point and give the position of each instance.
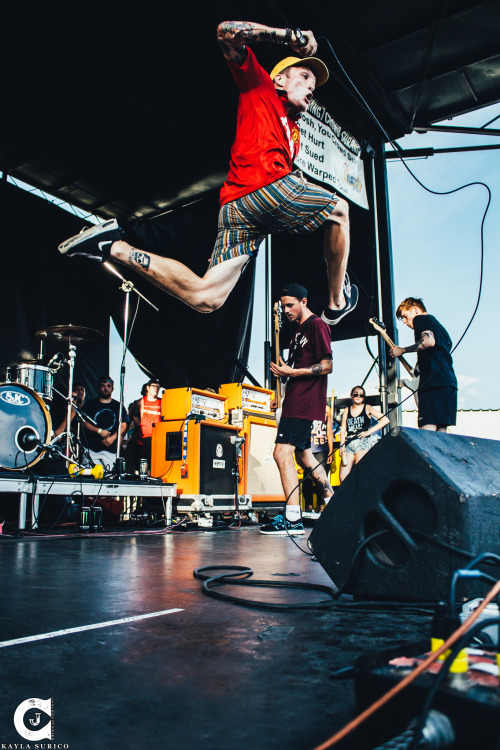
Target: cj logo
(14, 398)
(47, 707)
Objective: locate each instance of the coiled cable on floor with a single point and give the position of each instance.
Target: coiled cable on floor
(239, 576)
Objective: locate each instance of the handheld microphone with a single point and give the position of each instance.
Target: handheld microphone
(300, 37)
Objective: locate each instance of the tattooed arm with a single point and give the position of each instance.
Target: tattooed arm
(426, 341)
(234, 35)
(285, 371)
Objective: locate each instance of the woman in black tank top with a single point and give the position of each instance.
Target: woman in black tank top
(357, 421)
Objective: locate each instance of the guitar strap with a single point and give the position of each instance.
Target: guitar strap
(295, 352)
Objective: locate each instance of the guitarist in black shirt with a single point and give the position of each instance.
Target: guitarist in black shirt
(437, 407)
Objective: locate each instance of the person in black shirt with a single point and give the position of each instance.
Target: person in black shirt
(359, 424)
(437, 392)
(105, 411)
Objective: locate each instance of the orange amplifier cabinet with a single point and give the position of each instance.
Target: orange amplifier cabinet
(196, 454)
(258, 425)
(250, 398)
(177, 403)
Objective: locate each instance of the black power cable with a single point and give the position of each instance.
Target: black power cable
(240, 575)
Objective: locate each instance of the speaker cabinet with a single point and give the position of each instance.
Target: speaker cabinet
(428, 493)
(197, 455)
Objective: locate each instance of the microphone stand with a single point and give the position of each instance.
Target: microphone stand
(55, 450)
(126, 287)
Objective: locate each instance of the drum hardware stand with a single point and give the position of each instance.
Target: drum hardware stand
(55, 450)
(81, 417)
(126, 287)
(69, 400)
(71, 363)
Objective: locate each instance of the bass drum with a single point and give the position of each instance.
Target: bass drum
(24, 420)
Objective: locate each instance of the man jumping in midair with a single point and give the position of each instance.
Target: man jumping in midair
(262, 194)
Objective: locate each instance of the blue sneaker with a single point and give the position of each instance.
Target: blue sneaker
(332, 317)
(281, 526)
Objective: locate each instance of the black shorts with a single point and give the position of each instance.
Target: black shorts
(295, 431)
(437, 406)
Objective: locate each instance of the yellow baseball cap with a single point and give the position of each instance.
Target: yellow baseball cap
(317, 66)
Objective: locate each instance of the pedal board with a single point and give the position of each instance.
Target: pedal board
(471, 700)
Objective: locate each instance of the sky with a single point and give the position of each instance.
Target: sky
(436, 254)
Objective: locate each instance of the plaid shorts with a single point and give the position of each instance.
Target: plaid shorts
(289, 205)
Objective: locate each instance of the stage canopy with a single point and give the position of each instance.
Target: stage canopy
(130, 112)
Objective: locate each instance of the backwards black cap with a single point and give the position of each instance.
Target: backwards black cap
(294, 290)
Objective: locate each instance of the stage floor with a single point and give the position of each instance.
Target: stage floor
(210, 675)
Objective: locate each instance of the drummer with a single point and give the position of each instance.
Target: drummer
(105, 411)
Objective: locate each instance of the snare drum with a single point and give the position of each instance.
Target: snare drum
(34, 376)
(24, 418)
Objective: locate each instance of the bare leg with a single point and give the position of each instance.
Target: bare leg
(344, 470)
(336, 249)
(307, 460)
(431, 427)
(283, 455)
(203, 293)
(359, 455)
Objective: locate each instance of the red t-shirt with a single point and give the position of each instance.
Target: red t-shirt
(267, 140)
(150, 413)
(305, 397)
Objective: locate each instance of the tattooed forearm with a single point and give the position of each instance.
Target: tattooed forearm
(138, 258)
(317, 370)
(426, 340)
(232, 35)
(412, 348)
(269, 35)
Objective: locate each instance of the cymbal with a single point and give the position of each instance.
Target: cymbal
(72, 334)
(42, 362)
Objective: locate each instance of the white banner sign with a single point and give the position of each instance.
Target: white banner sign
(331, 155)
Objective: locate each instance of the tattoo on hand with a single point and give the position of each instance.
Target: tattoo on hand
(138, 258)
(317, 369)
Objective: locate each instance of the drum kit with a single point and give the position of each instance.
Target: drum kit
(26, 396)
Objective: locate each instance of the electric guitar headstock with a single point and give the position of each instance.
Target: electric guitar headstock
(380, 327)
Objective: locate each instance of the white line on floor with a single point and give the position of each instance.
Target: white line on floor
(82, 628)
